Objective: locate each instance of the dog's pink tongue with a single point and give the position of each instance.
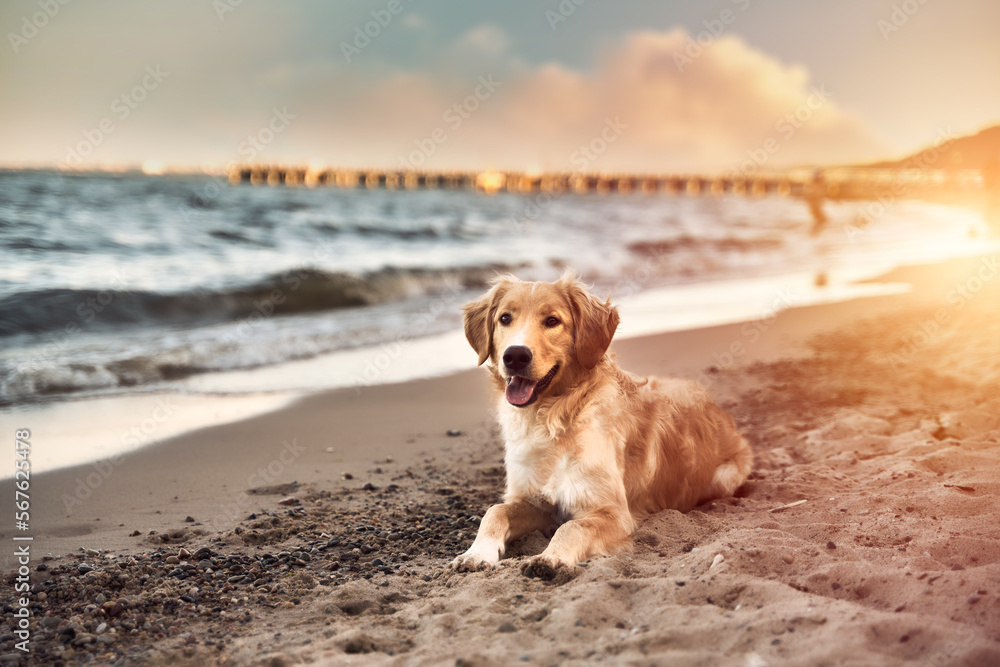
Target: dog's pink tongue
(519, 391)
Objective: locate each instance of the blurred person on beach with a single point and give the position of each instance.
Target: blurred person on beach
(813, 192)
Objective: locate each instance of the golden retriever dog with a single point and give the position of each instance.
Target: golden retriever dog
(589, 448)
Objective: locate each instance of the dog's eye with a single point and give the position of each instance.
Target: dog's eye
(552, 322)
(505, 319)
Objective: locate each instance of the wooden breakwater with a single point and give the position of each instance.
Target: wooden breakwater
(835, 183)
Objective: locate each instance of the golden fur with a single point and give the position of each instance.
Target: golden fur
(598, 448)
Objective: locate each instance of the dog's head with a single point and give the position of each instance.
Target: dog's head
(539, 335)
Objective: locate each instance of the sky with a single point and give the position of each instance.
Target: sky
(587, 85)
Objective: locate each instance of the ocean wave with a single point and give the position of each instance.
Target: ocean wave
(295, 291)
(690, 243)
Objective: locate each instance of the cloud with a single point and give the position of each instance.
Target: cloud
(680, 107)
(713, 111)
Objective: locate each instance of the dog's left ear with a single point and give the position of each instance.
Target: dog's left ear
(596, 322)
(479, 318)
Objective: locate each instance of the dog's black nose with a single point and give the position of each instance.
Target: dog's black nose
(516, 358)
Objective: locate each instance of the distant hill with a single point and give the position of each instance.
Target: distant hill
(976, 151)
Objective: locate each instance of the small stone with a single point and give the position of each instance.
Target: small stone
(507, 626)
(101, 628)
(189, 519)
(453, 433)
(183, 554)
(347, 475)
(172, 560)
(135, 533)
(290, 500)
(788, 558)
(973, 599)
(831, 545)
(83, 568)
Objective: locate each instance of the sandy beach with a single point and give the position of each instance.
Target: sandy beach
(320, 533)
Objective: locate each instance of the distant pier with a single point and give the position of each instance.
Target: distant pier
(812, 185)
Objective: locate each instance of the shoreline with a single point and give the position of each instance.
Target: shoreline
(89, 428)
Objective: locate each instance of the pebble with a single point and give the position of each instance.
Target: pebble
(507, 626)
(453, 433)
(788, 558)
(172, 560)
(831, 545)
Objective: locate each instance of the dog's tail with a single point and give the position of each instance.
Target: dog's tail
(731, 473)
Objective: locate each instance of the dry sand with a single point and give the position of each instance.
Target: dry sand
(882, 415)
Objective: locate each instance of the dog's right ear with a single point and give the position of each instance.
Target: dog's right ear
(479, 318)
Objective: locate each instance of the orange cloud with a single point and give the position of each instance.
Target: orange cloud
(715, 111)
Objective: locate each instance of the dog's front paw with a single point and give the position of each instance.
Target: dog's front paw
(549, 569)
(469, 562)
